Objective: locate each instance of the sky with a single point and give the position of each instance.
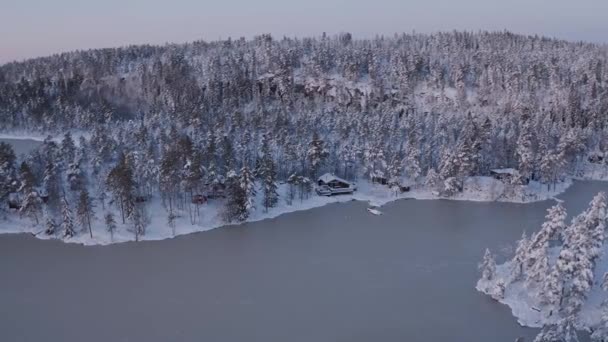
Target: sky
(32, 28)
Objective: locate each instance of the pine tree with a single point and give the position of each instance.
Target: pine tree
(110, 224)
(51, 226)
(293, 184)
(7, 170)
(271, 196)
(31, 205)
(433, 180)
(525, 150)
(316, 154)
(247, 183)
(52, 186)
(84, 210)
(519, 260)
(120, 182)
(67, 224)
(68, 149)
(268, 174)
(487, 266)
(538, 260)
(235, 208)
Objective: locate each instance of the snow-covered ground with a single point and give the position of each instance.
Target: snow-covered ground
(475, 189)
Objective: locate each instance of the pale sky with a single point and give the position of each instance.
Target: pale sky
(31, 28)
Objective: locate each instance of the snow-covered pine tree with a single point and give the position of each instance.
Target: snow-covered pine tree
(67, 224)
(433, 181)
(50, 226)
(84, 211)
(293, 184)
(271, 196)
(235, 207)
(487, 266)
(31, 204)
(538, 260)
(110, 223)
(525, 149)
(518, 262)
(68, 149)
(316, 154)
(247, 183)
(600, 333)
(7, 170)
(268, 174)
(52, 187)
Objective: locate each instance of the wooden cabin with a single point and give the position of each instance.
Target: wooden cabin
(329, 184)
(506, 175)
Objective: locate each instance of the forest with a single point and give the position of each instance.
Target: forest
(237, 118)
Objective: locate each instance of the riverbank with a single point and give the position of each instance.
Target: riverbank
(483, 189)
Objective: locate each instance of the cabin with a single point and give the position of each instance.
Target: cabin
(14, 201)
(506, 175)
(215, 190)
(199, 199)
(595, 157)
(329, 184)
(142, 198)
(379, 180)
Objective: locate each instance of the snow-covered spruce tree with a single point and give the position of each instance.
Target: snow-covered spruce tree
(562, 331)
(120, 183)
(7, 170)
(31, 203)
(518, 263)
(75, 176)
(67, 223)
(487, 266)
(139, 221)
(85, 211)
(538, 260)
(268, 174)
(271, 196)
(316, 154)
(50, 226)
(412, 149)
(577, 257)
(525, 150)
(67, 149)
(247, 183)
(291, 191)
(52, 187)
(171, 221)
(110, 223)
(433, 181)
(552, 290)
(235, 207)
(600, 333)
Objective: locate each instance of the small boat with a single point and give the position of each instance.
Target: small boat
(374, 211)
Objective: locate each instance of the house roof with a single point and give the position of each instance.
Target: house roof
(328, 177)
(507, 171)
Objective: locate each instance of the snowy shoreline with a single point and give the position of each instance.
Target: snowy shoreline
(476, 189)
(558, 278)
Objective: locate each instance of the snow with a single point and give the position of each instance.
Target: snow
(475, 189)
(526, 307)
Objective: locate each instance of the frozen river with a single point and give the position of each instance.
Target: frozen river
(334, 273)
